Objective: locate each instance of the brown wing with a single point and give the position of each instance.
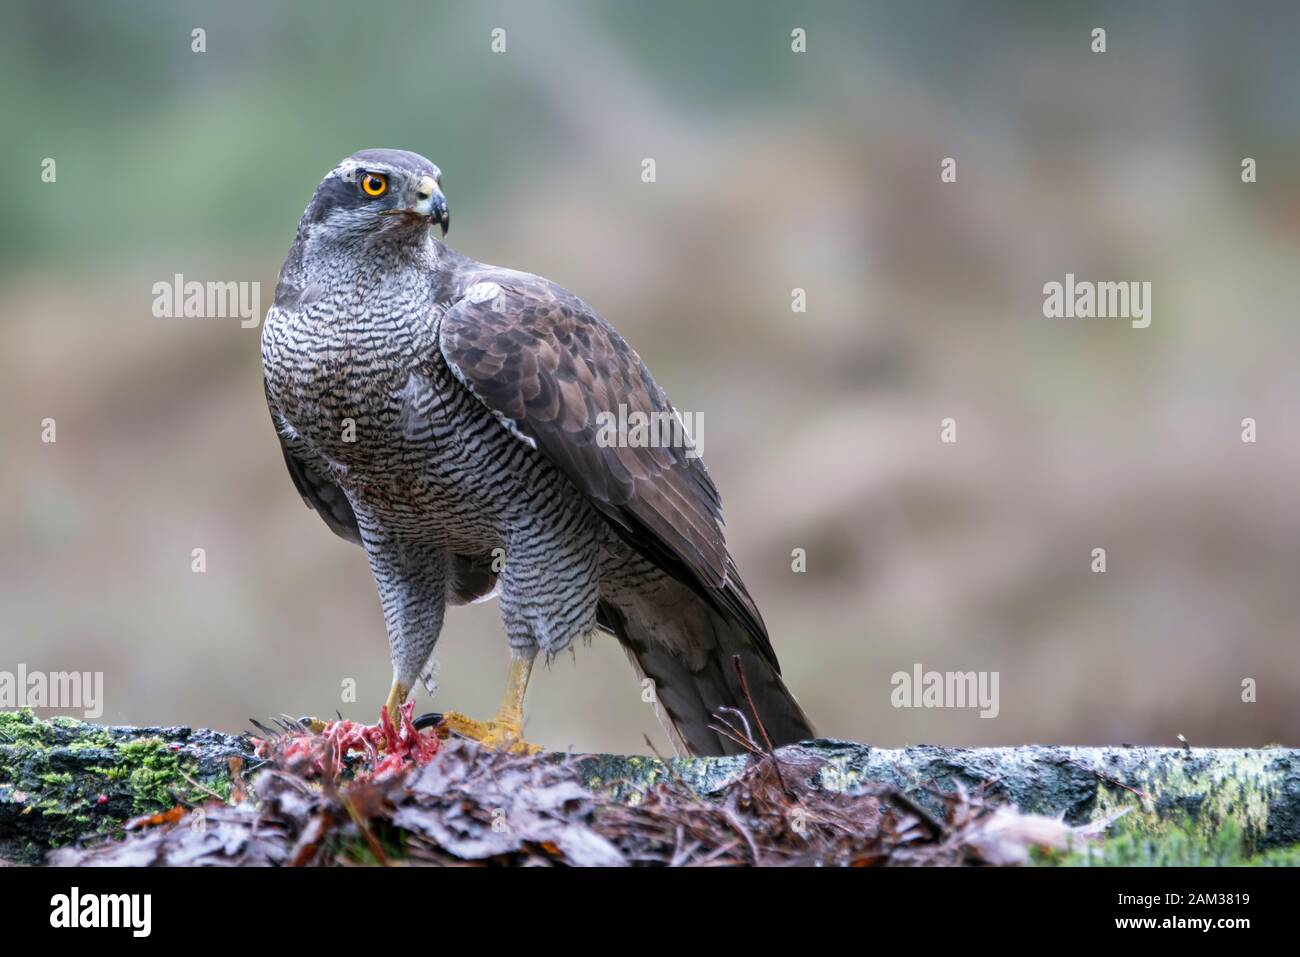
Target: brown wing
(541, 359)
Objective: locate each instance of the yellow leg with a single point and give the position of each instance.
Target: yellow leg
(509, 723)
(396, 698)
(506, 730)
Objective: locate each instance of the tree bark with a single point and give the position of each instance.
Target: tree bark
(1154, 789)
(63, 780)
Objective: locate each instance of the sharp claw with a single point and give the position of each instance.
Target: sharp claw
(287, 725)
(430, 720)
(269, 732)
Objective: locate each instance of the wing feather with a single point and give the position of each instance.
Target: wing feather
(319, 491)
(548, 365)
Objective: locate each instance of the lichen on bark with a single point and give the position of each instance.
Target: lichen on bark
(62, 779)
(1155, 789)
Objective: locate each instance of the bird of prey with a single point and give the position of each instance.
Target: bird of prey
(445, 415)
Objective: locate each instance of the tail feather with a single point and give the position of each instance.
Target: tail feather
(687, 647)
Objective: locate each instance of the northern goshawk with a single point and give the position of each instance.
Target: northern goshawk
(445, 415)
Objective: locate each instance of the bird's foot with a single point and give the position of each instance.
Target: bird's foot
(396, 698)
(287, 725)
(502, 733)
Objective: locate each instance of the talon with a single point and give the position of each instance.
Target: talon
(288, 726)
(500, 734)
(505, 732)
(430, 720)
(509, 736)
(465, 726)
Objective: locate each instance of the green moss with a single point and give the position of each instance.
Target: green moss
(91, 741)
(63, 779)
(1183, 845)
(1202, 797)
(152, 774)
(23, 728)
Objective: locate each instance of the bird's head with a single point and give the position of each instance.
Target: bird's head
(379, 191)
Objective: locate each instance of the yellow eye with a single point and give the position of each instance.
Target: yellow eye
(374, 184)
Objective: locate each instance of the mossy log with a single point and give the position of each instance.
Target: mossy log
(63, 780)
(1153, 789)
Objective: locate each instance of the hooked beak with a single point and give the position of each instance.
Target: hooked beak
(431, 204)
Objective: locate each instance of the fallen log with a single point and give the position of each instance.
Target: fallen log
(63, 780)
(66, 782)
(1155, 789)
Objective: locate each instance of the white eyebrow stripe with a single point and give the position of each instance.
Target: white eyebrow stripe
(350, 167)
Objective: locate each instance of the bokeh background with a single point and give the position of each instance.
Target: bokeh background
(775, 170)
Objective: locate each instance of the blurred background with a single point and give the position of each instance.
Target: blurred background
(775, 170)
